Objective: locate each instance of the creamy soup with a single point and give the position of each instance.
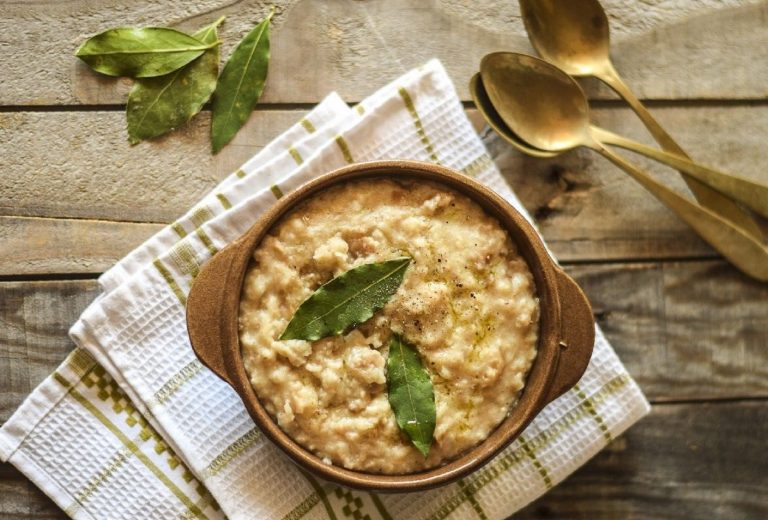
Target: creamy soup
(467, 303)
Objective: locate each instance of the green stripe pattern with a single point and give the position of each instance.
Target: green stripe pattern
(184, 258)
(177, 381)
(295, 155)
(477, 165)
(380, 507)
(95, 482)
(130, 446)
(308, 126)
(206, 240)
(319, 491)
(80, 362)
(470, 495)
(344, 147)
(233, 450)
(276, 191)
(535, 460)
(304, 507)
(168, 277)
(200, 216)
(179, 229)
(411, 107)
(183, 255)
(224, 201)
(592, 409)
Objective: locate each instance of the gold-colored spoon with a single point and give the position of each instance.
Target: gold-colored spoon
(522, 88)
(749, 192)
(548, 110)
(484, 105)
(574, 35)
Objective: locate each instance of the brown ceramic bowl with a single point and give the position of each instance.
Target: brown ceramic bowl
(566, 333)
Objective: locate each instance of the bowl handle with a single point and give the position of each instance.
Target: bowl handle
(204, 306)
(577, 336)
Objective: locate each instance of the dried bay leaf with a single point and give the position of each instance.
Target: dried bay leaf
(347, 300)
(240, 85)
(140, 53)
(158, 105)
(411, 394)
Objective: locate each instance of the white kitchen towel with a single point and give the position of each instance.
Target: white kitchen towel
(140, 327)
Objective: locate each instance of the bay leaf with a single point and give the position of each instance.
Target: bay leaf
(411, 394)
(140, 53)
(347, 300)
(240, 85)
(161, 104)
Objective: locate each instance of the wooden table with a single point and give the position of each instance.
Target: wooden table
(74, 197)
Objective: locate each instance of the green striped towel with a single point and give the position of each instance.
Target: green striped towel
(132, 424)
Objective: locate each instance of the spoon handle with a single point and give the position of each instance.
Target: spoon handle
(704, 194)
(751, 193)
(740, 248)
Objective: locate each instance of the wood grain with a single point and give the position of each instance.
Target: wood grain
(44, 246)
(80, 165)
(667, 50)
(74, 197)
(359, 43)
(34, 319)
(77, 165)
(21, 499)
(691, 330)
(587, 208)
(683, 461)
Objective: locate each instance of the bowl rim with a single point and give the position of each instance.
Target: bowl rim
(539, 381)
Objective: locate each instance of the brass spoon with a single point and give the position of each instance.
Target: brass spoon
(523, 88)
(747, 191)
(548, 110)
(484, 105)
(574, 35)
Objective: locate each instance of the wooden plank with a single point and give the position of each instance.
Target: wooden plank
(692, 49)
(34, 319)
(80, 165)
(692, 330)
(34, 246)
(77, 165)
(683, 461)
(359, 43)
(20, 499)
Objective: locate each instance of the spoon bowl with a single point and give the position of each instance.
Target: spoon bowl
(574, 35)
(480, 96)
(540, 103)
